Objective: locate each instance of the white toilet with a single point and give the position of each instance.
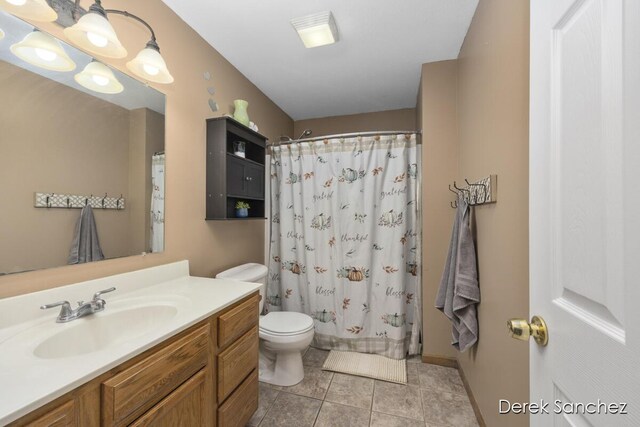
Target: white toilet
(283, 334)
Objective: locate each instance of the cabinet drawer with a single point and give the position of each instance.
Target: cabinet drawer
(133, 391)
(241, 405)
(236, 321)
(185, 406)
(62, 416)
(236, 362)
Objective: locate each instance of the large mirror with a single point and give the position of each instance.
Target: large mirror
(64, 144)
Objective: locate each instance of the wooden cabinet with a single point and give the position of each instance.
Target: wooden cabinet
(186, 380)
(231, 178)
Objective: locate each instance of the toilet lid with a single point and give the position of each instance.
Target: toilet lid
(286, 322)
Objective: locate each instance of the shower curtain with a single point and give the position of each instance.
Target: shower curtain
(345, 241)
(157, 203)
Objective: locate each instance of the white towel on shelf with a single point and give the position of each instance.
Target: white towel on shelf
(459, 292)
(86, 245)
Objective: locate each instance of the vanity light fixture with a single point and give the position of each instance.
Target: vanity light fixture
(99, 78)
(44, 51)
(316, 30)
(36, 10)
(94, 33)
(149, 64)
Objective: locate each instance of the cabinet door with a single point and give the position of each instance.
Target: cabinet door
(236, 183)
(254, 178)
(185, 406)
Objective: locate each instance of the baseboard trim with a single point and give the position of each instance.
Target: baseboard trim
(449, 362)
(472, 399)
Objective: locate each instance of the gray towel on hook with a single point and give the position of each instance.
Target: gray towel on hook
(85, 246)
(459, 291)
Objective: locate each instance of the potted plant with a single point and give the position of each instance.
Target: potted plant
(242, 209)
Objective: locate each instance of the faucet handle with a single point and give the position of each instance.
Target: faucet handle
(96, 296)
(64, 311)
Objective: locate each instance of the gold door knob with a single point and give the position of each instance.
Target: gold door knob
(520, 329)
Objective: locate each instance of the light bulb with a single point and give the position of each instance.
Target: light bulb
(150, 69)
(45, 55)
(17, 2)
(97, 39)
(100, 80)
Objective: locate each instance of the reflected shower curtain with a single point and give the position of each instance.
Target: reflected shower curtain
(157, 203)
(345, 241)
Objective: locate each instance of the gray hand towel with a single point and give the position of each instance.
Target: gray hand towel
(459, 293)
(85, 246)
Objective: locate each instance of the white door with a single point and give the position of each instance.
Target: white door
(585, 208)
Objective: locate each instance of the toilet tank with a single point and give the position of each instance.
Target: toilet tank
(250, 272)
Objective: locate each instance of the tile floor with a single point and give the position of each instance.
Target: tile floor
(433, 397)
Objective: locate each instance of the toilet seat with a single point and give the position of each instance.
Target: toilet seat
(285, 323)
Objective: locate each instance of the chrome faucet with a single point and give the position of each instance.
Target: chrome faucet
(67, 314)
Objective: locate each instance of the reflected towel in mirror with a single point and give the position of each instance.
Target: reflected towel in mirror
(86, 245)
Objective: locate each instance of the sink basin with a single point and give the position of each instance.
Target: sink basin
(98, 331)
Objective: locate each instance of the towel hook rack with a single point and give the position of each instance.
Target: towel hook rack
(473, 195)
(464, 190)
(77, 201)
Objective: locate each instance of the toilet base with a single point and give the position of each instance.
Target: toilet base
(282, 367)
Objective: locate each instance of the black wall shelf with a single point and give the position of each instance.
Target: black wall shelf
(231, 178)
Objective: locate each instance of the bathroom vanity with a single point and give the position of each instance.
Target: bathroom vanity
(169, 349)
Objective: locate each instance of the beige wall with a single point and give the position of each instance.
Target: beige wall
(493, 113)
(492, 138)
(437, 115)
(210, 246)
(404, 119)
(55, 138)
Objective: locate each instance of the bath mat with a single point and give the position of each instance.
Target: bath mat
(367, 365)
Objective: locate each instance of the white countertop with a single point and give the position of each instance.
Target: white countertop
(28, 382)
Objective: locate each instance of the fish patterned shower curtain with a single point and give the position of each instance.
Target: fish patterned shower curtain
(345, 237)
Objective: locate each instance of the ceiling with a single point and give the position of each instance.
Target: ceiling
(374, 67)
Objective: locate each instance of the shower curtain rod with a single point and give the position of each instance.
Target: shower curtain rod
(349, 135)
